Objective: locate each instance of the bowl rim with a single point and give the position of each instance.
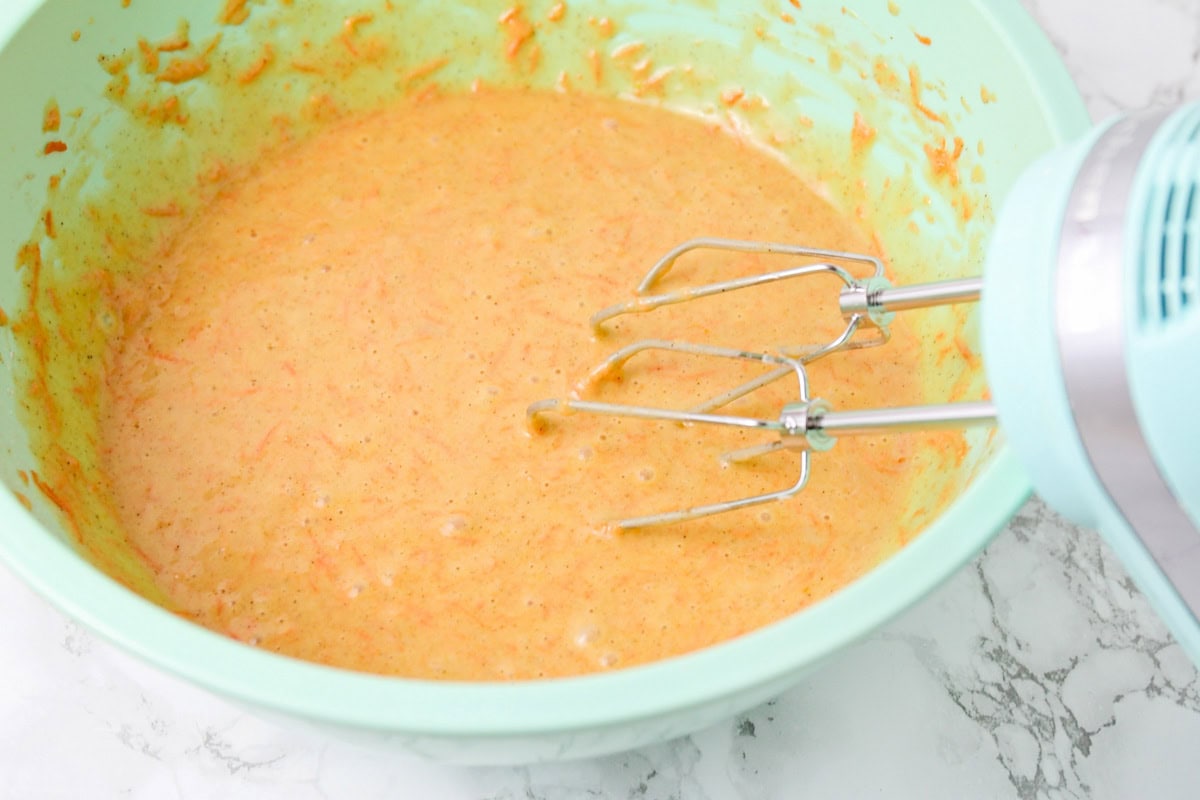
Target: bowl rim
(762, 658)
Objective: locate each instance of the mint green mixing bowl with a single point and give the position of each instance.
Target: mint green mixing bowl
(987, 67)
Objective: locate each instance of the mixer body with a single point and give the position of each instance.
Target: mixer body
(1092, 344)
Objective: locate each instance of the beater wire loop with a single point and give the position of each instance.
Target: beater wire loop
(804, 425)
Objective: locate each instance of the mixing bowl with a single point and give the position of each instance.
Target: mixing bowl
(917, 114)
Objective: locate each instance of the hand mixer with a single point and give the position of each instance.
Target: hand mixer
(1091, 345)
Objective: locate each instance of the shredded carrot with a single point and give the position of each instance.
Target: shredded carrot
(519, 31)
(426, 69)
(261, 447)
(964, 350)
(604, 25)
(117, 87)
(184, 69)
(55, 146)
(597, 65)
(428, 93)
(149, 56)
(55, 302)
(159, 355)
(862, 135)
(260, 64)
(48, 220)
(557, 11)
(655, 82)
(968, 208)
(29, 256)
(49, 492)
(165, 111)
(320, 107)
(52, 119)
(114, 65)
(925, 40)
(171, 209)
(730, 97)
(944, 161)
(216, 172)
(914, 83)
(304, 66)
(146, 559)
(234, 12)
(350, 28)
(179, 41)
(325, 438)
(626, 50)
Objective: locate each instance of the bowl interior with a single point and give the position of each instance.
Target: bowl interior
(958, 100)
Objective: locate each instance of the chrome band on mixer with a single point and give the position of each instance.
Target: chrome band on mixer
(1091, 328)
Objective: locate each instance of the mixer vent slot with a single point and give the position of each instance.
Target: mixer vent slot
(1171, 274)
(1191, 241)
(1176, 288)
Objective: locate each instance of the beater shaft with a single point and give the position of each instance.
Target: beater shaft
(864, 298)
(804, 425)
(904, 418)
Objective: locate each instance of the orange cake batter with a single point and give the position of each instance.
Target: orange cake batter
(314, 426)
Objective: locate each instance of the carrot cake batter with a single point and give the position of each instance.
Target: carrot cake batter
(314, 426)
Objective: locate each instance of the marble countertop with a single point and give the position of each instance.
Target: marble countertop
(1037, 672)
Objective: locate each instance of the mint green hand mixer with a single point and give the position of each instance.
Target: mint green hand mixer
(1091, 343)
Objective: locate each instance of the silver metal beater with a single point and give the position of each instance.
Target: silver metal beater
(807, 424)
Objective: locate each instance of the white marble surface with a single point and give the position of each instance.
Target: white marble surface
(1038, 672)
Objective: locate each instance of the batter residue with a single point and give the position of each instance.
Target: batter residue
(314, 426)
